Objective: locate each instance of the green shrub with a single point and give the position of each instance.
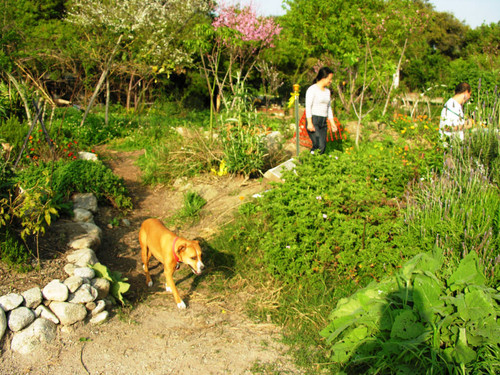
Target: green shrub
(419, 321)
(6, 176)
(13, 252)
(95, 131)
(336, 214)
(79, 176)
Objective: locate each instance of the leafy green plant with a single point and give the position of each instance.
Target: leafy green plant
(419, 320)
(13, 132)
(34, 209)
(119, 286)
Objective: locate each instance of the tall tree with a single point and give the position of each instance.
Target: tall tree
(335, 33)
(239, 37)
(154, 33)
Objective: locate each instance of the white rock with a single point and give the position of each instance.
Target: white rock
(3, 323)
(90, 306)
(87, 201)
(92, 229)
(11, 301)
(20, 318)
(101, 305)
(82, 257)
(81, 215)
(70, 269)
(273, 141)
(102, 285)
(40, 332)
(87, 156)
(73, 283)
(55, 291)
(32, 297)
(44, 312)
(100, 318)
(85, 272)
(88, 241)
(68, 313)
(84, 294)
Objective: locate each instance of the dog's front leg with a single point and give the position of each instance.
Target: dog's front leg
(169, 277)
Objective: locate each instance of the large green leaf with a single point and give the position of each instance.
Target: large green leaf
(477, 306)
(406, 326)
(463, 353)
(421, 263)
(344, 349)
(468, 272)
(118, 285)
(426, 293)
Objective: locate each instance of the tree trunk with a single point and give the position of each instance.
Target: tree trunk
(397, 72)
(106, 113)
(101, 80)
(129, 91)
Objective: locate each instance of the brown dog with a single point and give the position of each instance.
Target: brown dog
(170, 250)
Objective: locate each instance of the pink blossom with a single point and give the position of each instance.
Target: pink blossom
(246, 22)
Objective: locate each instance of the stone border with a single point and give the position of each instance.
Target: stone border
(34, 315)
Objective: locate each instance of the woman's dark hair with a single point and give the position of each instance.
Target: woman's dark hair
(462, 87)
(322, 73)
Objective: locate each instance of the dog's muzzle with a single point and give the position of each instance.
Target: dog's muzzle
(199, 269)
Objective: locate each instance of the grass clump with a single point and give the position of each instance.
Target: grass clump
(190, 211)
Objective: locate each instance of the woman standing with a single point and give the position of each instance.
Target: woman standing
(318, 110)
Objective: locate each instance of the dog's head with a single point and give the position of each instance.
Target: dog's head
(190, 254)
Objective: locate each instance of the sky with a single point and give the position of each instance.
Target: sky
(473, 12)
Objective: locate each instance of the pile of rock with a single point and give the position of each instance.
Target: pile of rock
(34, 315)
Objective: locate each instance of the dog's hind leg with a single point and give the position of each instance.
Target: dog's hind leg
(145, 255)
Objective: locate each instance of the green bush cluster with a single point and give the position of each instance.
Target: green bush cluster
(336, 215)
(95, 131)
(79, 176)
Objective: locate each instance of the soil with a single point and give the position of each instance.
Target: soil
(213, 335)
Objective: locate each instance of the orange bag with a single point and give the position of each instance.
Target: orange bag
(304, 139)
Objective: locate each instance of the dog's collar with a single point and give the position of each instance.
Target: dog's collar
(173, 250)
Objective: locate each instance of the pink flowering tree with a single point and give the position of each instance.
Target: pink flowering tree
(240, 37)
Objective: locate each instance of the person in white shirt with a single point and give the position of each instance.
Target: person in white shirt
(318, 110)
(453, 123)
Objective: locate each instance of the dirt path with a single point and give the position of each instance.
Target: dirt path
(213, 336)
